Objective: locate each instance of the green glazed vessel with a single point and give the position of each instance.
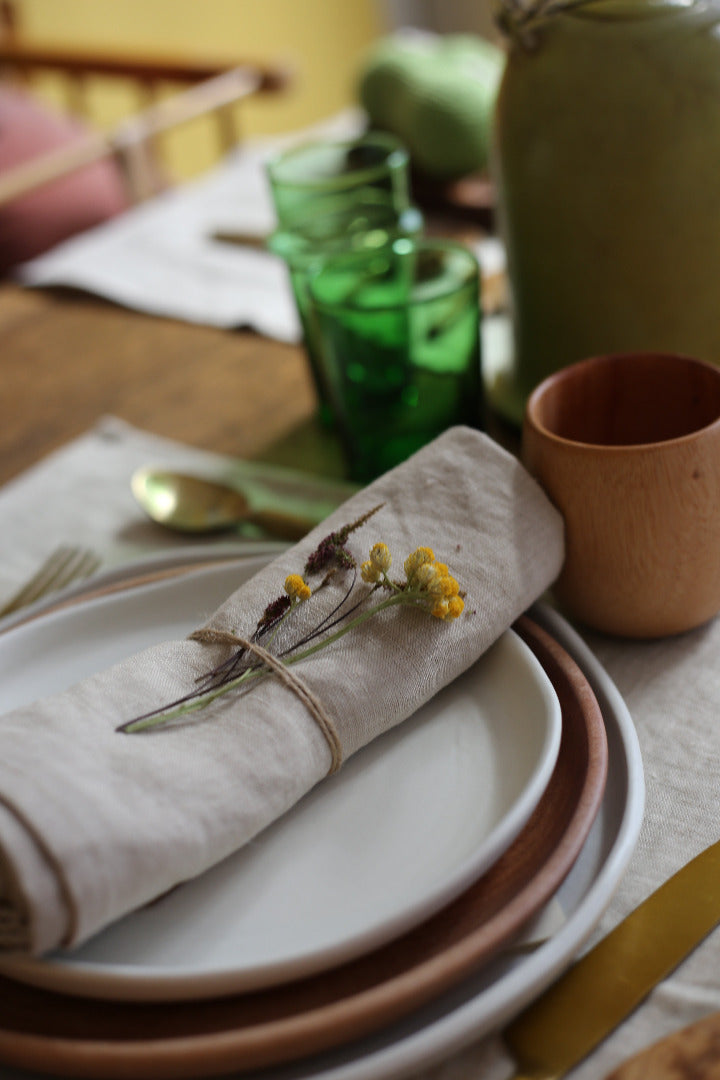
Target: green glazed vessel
(607, 164)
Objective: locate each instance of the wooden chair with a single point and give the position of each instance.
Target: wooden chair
(211, 88)
(133, 142)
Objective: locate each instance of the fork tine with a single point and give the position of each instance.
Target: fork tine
(64, 565)
(35, 584)
(56, 567)
(80, 565)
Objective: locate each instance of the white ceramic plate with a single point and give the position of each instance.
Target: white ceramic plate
(409, 823)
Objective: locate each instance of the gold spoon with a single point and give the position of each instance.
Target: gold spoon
(193, 504)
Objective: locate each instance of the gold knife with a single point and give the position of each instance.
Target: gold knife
(601, 989)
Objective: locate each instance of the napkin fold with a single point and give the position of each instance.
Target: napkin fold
(94, 823)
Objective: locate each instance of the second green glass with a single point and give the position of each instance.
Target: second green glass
(317, 177)
(365, 227)
(332, 199)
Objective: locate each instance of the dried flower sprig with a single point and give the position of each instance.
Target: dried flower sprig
(332, 551)
(427, 584)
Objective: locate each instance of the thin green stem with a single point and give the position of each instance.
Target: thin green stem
(161, 718)
(399, 598)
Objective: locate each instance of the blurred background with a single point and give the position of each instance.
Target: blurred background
(322, 45)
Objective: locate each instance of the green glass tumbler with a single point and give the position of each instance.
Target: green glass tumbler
(333, 198)
(312, 178)
(346, 231)
(399, 345)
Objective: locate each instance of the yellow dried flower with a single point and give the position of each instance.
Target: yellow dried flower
(449, 586)
(425, 577)
(296, 588)
(456, 606)
(369, 572)
(418, 558)
(380, 556)
(440, 609)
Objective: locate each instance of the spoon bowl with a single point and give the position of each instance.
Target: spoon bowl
(193, 504)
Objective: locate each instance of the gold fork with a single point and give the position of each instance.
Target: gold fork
(62, 567)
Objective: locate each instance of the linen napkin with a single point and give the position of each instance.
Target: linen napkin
(94, 822)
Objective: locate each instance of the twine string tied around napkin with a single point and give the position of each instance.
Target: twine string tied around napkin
(209, 636)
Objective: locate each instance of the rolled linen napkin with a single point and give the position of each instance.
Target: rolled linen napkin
(95, 822)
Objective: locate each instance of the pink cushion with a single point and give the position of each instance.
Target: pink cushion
(37, 221)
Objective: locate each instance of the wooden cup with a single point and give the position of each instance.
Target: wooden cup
(628, 449)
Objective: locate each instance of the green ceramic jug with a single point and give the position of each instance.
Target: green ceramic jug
(607, 165)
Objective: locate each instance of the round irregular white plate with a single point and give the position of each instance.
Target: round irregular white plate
(406, 826)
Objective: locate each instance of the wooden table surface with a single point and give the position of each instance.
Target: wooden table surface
(66, 359)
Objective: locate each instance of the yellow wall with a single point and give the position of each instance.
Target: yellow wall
(322, 40)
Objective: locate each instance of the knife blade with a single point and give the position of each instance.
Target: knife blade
(601, 989)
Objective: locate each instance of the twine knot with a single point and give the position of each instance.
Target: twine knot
(209, 636)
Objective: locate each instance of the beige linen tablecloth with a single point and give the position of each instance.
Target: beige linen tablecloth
(671, 687)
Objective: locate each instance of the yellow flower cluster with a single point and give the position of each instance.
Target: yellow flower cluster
(296, 588)
(428, 580)
(377, 565)
(434, 579)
